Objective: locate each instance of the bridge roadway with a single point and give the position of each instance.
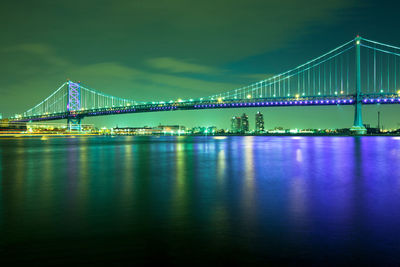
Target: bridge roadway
(326, 100)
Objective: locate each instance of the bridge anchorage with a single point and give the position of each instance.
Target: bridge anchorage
(359, 72)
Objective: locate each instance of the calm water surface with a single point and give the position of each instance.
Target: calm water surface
(200, 200)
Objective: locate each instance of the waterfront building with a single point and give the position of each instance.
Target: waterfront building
(245, 123)
(7, 126)
(259, 122)
(135, 131)
(236, 124)
(172, 129)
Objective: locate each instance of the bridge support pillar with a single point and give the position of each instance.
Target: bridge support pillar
(74, 124)
(358, 126)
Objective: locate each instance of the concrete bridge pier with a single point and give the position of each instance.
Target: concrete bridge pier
(74, 124)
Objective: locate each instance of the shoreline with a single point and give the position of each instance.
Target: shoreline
(76, 135)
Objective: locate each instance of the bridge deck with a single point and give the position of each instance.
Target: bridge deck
(217, 104)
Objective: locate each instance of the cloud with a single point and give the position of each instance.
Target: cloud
(124, 81)
(209, 31)
(38, 52)
(179, 66)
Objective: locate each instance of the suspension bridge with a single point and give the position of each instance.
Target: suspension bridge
(359, 72)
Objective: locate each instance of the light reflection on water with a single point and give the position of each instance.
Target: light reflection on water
(245, 199)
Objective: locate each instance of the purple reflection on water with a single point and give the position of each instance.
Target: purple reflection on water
(318, 199)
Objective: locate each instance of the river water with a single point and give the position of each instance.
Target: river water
(200, 200)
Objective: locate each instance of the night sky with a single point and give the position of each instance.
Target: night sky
(169, 49)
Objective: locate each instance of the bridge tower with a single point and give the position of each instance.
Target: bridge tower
(74, 104)
(358, 126)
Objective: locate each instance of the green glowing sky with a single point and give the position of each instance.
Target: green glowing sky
(169, 49)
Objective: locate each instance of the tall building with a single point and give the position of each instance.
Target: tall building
(245, 123)
(259, 122)
(236, 124)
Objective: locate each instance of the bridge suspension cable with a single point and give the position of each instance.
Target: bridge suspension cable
(385, 59)
(54, 103)
(326, 75)
(93, 99)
